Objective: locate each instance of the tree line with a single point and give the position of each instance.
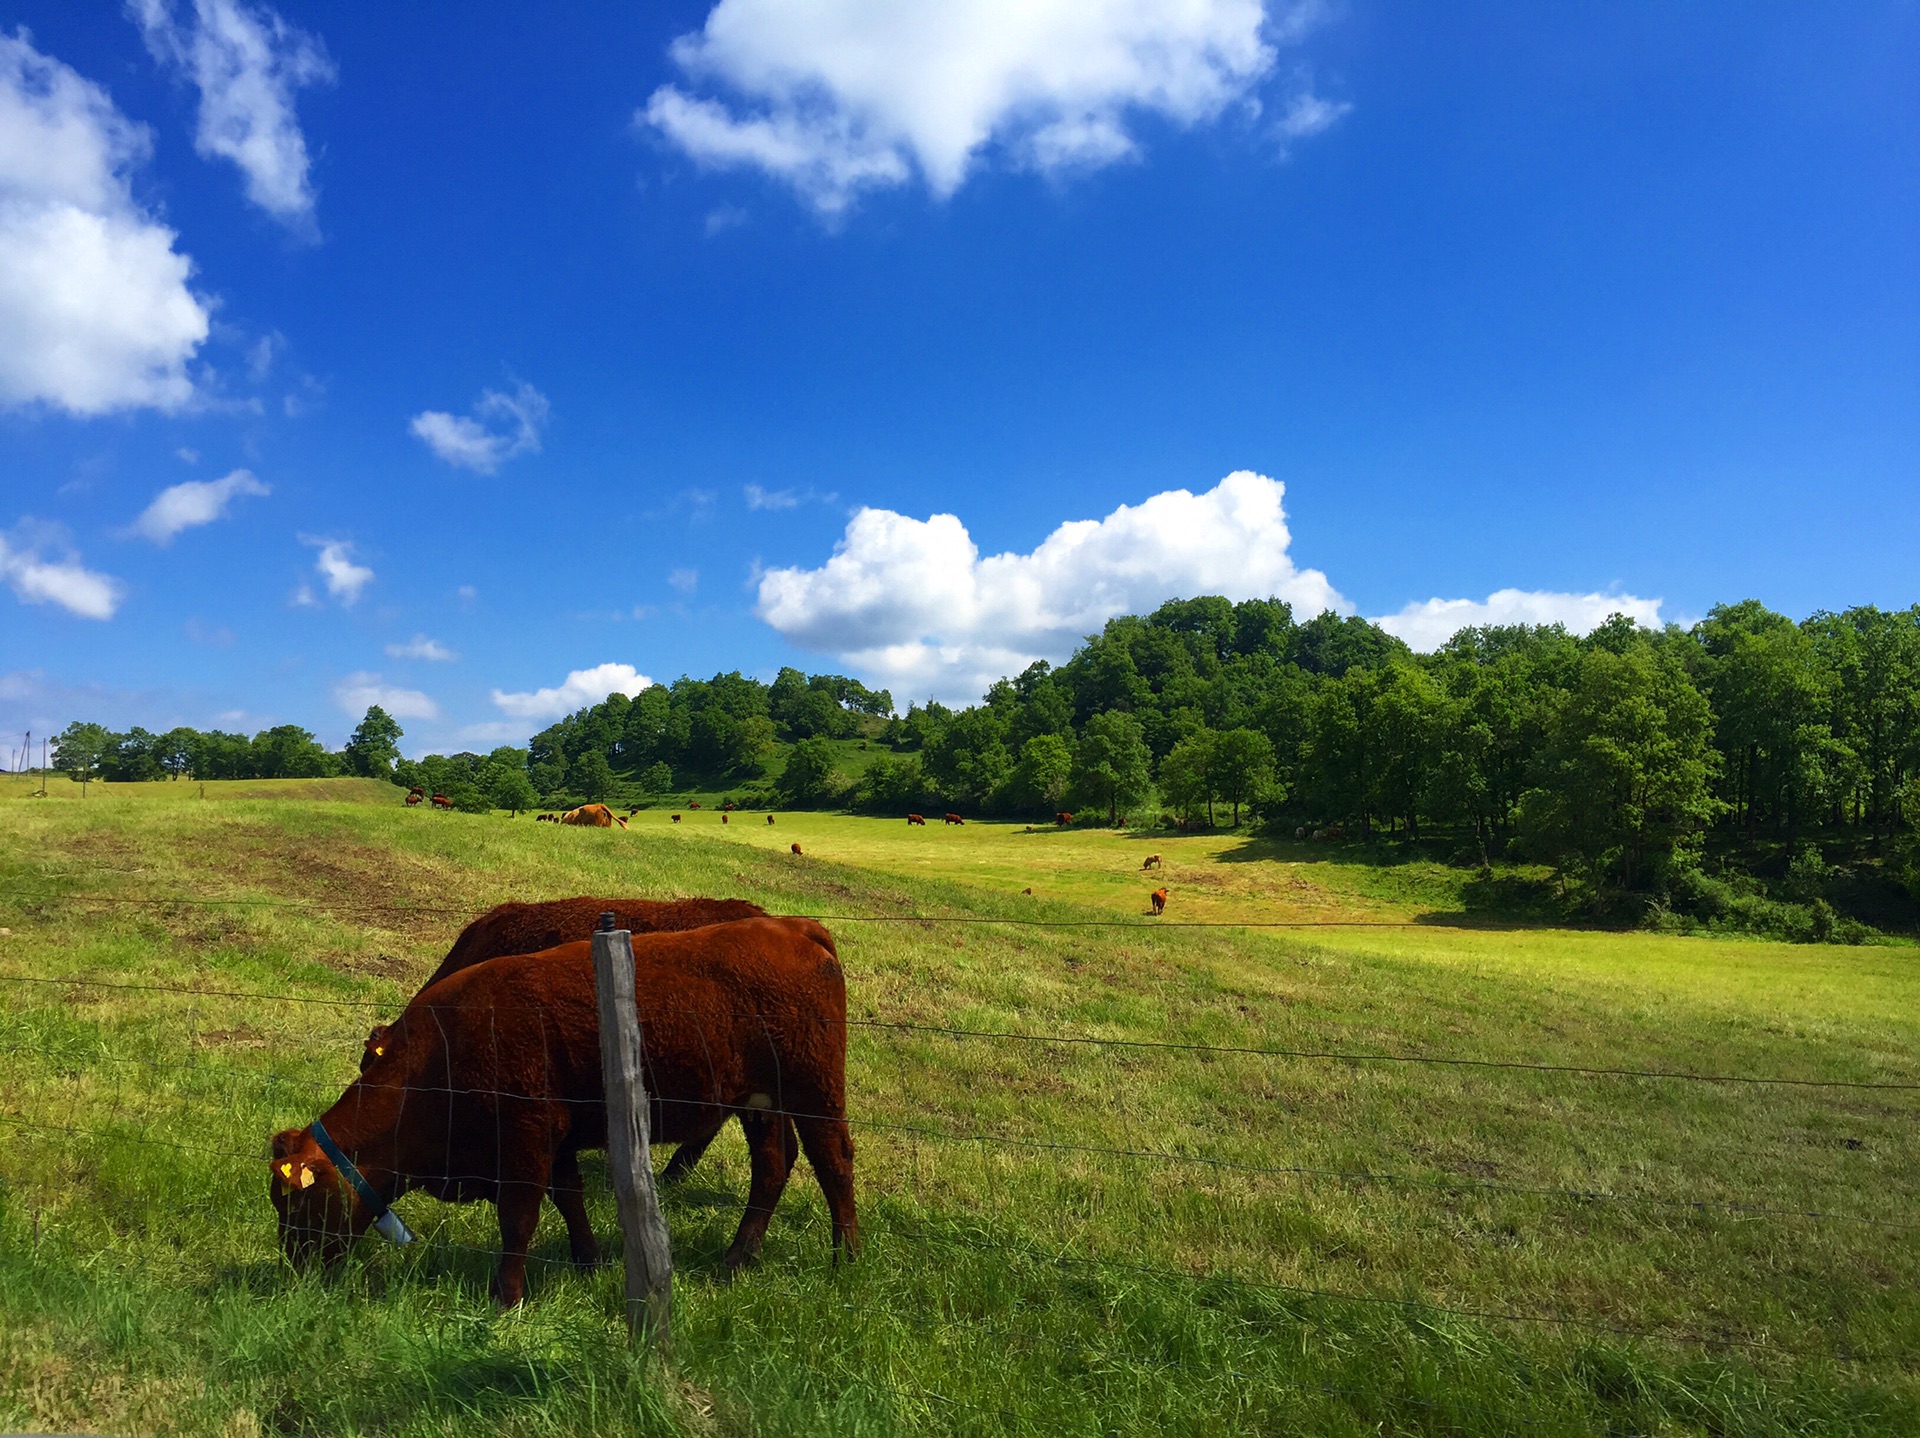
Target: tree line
(1619, 757)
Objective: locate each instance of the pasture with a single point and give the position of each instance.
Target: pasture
(1186, 1219)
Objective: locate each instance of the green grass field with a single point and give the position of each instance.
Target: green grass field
(1081, 1238)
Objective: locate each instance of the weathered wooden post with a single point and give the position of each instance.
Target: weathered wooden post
(643, 1232)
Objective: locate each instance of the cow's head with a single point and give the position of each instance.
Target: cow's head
(318, 1220)
(376, 1046)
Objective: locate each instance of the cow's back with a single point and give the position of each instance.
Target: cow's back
(518, 928)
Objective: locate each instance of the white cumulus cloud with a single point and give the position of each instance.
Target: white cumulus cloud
(247, 62)
(344, 579)
(502, 427)
(95, 313)
(421, 647)
(63, 580)
(839, 96)
(1427, 626)
(912, 603)
(580, 688)
(197, 501)
(359, 692)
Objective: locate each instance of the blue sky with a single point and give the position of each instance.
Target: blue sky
(582, 343)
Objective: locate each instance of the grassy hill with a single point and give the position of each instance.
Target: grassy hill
(1061, 1237)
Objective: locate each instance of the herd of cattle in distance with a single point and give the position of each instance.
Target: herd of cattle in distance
(599, 816)
(487, 1085)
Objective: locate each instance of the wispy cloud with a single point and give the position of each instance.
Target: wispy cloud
(684, 580)
(421, 647)
(194, 502)
(760, 498)
(63, 580)
(502, 427)
(247, 62)
(344, 579)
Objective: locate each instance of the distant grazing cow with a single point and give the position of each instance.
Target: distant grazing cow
(693, 803)
(590, 816)
(1299, 833)
(769, 818)
(1063, 819)
(728, 806)
(1152, 861)
(745, 1019)
(1027, 890)
(634, 810)
(676, 818)
(953, 819)
(414, 797)
(723, 818)
(1159, 898)
(796, 849)
(915, 819)
(441, 801)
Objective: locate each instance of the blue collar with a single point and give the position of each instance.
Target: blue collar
(384, 1219)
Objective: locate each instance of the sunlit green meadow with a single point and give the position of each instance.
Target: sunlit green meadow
(1060, 1238)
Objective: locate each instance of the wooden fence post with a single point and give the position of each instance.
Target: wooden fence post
(643, 1232)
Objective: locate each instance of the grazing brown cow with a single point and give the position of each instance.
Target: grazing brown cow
(1028, 890)
(414, 797)
(441, 801)
(953, 819)
(796, 848)
(745, 1019)
(723, 818)
(676, 818)
(1152, 861)
(769, 818)
(913, 819)
(1159, 898)
(693, 803)
(1063, 819)
(590, 816)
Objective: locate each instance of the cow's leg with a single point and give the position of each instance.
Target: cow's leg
(519, 1199)
(689, 1151)
(766, 1145)
(569, 1192)
(829, 1146)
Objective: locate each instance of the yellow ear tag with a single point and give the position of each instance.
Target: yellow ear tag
(379, 1050)
(306, 1178)
(286, 1171)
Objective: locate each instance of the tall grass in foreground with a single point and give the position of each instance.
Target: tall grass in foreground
(1085, 1238)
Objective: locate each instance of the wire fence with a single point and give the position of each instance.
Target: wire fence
(1022, 1171)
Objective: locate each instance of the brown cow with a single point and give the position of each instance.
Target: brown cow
(693, 803)
(1152, 861)
(723, 818)
(1063, 819)
(796, 848)
(769, 818)
(590, 816)
(676, 818)
(441, 801)
(413, 798)
(953, 819)
(744, 1019)
(1159, 899)
(913, 819)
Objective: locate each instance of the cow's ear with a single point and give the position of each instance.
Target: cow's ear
(285, 1141)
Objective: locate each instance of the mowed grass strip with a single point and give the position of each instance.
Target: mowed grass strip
(1083, 1237)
